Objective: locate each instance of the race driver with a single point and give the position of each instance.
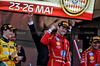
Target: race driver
(58, 45)
(91, 56)
(8, 53)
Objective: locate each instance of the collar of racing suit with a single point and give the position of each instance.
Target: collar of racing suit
(93, 50)
(4, 39)
(60, 35)
(96, 52)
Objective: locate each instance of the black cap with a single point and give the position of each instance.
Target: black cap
(7, 26)
(95, 39)
(64, 24)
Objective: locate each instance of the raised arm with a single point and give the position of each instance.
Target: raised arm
(33, 31)
(47, 36)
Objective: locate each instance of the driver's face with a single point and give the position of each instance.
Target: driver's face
(13, 38)
(61, 30)
(8, 33)
(95, 45)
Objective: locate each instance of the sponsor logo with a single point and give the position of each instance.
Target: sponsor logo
(96, 64)
(58, 43)
(74, 7)
(91, 54)
(91, 58)
(92, 61)
(63, 53)
(7, 53)
(57, 39)
(58, 47)
(5, 46)
(11, 47)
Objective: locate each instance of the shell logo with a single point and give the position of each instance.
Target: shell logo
(58, 43)
(91, 57)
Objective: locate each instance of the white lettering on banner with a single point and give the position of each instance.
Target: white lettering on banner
(30, 7)
(51, 10)
(17, 7)
(40, 9)
(47, 10)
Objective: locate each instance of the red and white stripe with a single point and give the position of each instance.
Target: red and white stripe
(77, 49)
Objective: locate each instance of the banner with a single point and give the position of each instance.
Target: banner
(78, 9)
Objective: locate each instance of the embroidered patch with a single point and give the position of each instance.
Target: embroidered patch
(91, 61)
(63, 53)
(11, 47)
(91, 54)
(58, 43)
(58, 47)
(57, 39)
(5, 52)
(91, 58)
(5, 46)
(96, 64)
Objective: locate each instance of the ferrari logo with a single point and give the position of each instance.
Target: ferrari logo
(74, 7)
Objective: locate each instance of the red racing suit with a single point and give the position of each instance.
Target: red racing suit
(58, 49)
(90, 57)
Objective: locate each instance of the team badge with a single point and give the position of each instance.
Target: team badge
(57, 39)
(91, 58)
(58, 43)
(63, 53)
(74, 7)
(5, 27)
(91, 54)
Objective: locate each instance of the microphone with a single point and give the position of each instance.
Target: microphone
(62, 40)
